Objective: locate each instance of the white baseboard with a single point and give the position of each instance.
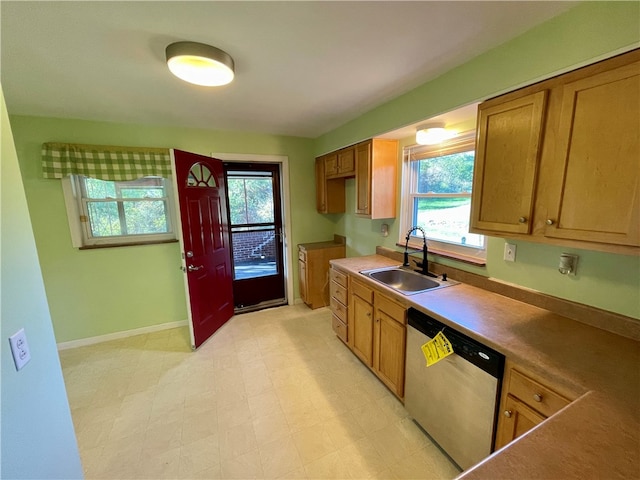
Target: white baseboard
(83, 342)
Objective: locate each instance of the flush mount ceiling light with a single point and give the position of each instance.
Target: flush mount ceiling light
(433, 133)
(200, 64)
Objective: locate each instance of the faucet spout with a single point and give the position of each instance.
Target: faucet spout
(424, 248)
(424, 266)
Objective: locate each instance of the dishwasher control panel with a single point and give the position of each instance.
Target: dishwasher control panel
(471, 350)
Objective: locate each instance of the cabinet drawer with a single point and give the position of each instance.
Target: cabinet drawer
(362, 291)
(339, 327)
(535, 395)
(338, 292)
(338, 309)
(302, 255)
(339, 277)
(391, 308)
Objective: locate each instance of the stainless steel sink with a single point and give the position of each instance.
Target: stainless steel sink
(406, 281)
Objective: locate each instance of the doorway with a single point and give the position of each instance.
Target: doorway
(257, 234)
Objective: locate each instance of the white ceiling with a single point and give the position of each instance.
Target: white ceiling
(302, 68)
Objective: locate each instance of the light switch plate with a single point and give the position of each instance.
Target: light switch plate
(509, 252)
(20, 348)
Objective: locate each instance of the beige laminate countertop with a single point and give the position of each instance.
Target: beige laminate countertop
(598, 434)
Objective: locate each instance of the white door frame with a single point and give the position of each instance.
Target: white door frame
(283, 160)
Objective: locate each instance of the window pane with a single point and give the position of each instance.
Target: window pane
(145, 217)
(99, 188)
(446, 174)
(142, 192)
(104, 219)
(446, 220)
(250, 200)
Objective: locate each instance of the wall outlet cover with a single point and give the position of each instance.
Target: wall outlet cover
(20, 348)
(509, 252)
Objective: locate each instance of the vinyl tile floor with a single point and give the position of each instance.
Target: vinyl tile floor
(273, 394)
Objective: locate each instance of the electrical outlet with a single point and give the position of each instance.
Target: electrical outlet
(20, 348)
(509, 252)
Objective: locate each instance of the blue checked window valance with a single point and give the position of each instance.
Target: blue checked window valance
(104, 162)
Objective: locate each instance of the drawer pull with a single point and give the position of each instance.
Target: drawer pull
(508, 413)
(522, 220)
(549, 222)
(537, 397)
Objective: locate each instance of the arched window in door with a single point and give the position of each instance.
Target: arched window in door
(201, 176)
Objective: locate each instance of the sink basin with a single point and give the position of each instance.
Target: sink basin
(406, 281)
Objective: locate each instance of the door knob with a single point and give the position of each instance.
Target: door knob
(191, 268)
(507, 413)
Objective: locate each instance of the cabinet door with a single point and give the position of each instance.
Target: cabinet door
(346, 161)
(507, 159)
(331, 164)
(390, 342)
(515, 420)
(321, 186)
(362, 329)
(302, 274)
(597, 195)
(363, 178)
(330, 192)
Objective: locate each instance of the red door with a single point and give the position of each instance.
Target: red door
(205, 242)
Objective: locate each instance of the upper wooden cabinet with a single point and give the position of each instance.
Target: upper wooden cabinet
(597, 197)
(329, 193)
(559, 161)
(340, 163)
(374, 164)
(503, 189)
(376, 167)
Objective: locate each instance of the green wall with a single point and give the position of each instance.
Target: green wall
(102, 291)
(96, 292)
(587, 33)
(38, 440)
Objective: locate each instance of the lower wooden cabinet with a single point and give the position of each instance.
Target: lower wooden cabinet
(361, 309)
(377, 333)
(389, 341)
(525, 403)
(313, 271)
(338, 289)
(517, 419)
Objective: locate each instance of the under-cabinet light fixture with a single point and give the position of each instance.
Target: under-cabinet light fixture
(433, 133)
(200, 64)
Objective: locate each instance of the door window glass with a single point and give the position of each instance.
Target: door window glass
(201, 176)
(253, 229)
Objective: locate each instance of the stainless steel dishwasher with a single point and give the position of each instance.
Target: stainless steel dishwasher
(455, 400)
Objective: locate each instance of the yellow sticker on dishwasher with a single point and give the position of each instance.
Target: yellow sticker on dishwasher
(436, 349)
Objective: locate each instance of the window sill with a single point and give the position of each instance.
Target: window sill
(131, 244)
(478, 262)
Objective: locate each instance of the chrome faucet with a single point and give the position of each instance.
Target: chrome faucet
(424, 266)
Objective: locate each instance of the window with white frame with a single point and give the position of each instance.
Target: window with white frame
(113, 213)
(437, 182)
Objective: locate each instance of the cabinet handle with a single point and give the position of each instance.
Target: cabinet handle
(522, 220)
(537, 397)
(507, 413)
(549, 222)
(368, 314)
